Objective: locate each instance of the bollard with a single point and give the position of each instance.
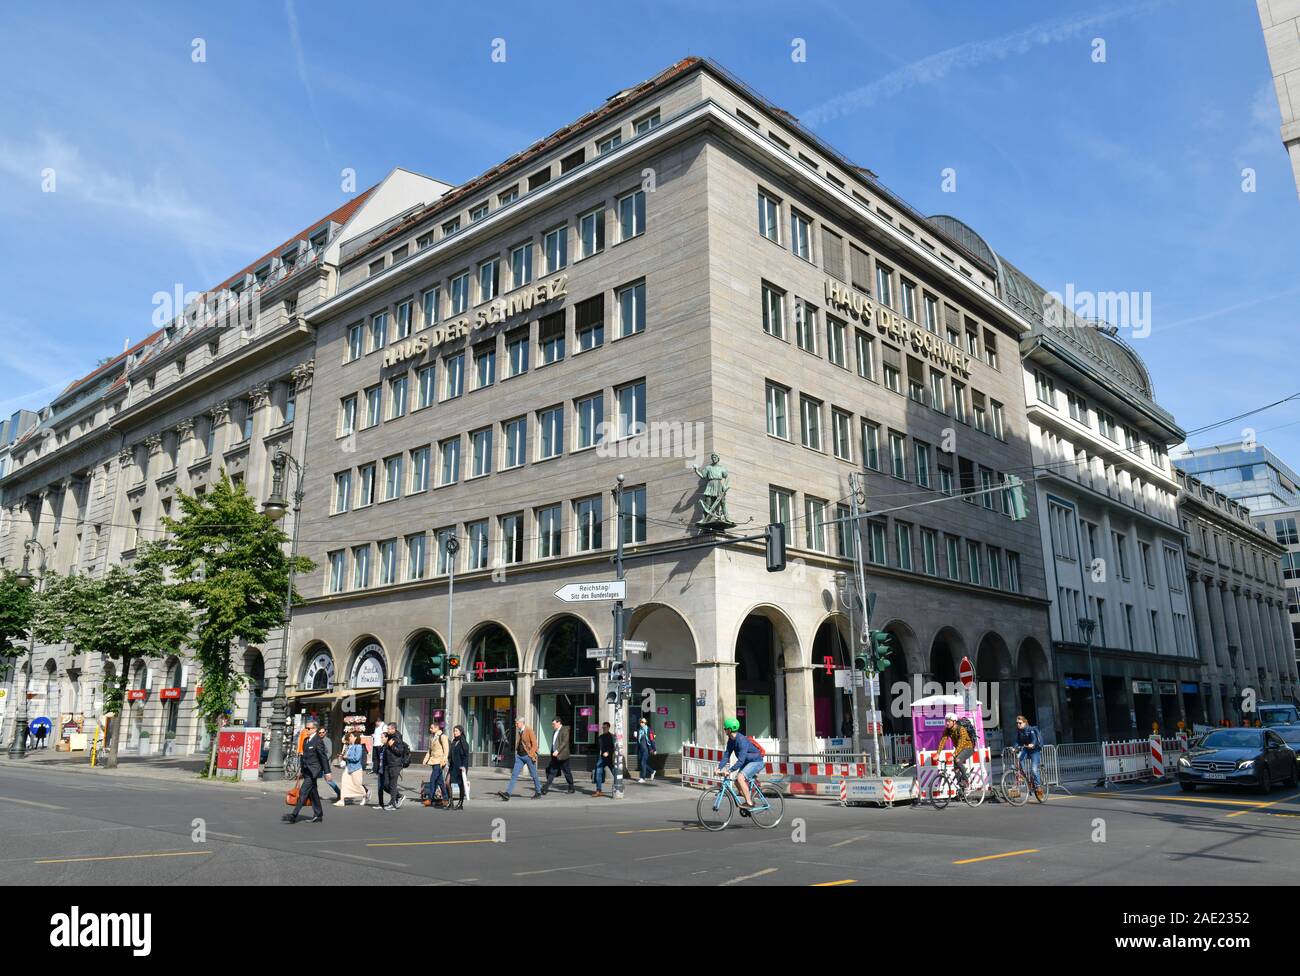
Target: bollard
(1157, 757)
(844, 792)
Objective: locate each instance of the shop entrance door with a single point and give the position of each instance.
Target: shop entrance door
(673, 721)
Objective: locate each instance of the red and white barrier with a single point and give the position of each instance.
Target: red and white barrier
(929, 761)
(1157, 758)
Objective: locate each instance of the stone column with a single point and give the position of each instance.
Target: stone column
(1248, 650)
(1239, 669)
(715, 682)
(800, 720)
(258, 469)
(1267, 647)
(1205, 646)
(220, 415)
(186, 452)
(1282, 624)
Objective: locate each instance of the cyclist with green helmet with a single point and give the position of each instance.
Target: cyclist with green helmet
(744, 755)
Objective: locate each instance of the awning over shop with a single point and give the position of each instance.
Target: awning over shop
(433, 692)
(322, 695)
(487, 689)
(564, 686)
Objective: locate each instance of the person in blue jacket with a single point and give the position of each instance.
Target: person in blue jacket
(1030, 741)
(748, 760)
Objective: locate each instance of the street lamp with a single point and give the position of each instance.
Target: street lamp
(26, 581)
(1086, 626)
(276, 507)
(850, 600)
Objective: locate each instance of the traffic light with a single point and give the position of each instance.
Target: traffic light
(862, 662)
(453, 662)
(881, 647)
(618, 681)
(437, 664)
(1016, 491)
(775, 534)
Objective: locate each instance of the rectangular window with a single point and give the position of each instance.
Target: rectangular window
(489, 279)
(929, 555)
(572, 161)
(973, 562)
(778, 409)
(374, 405)
(550, 433)
(997, 429)
(907, 296)
(832, 253)
(631, 215)
(549, 535)
(876, 543)
(478, 544)
(540, 178)
(508, 196)
(517, 344)
(945, 479)
(609, 143)
(393, 477)
(555, 243)
(347, 418)
(995, 567)
(379, 331)
(773, 311)
(478, 213)
(631, 409)
(892, 369)
(415, 565)
(898, 455)
(397, 396)
(871, 445)
(454, 376)
(367, 472)
(512, 539)
(646, 123)
(841, 427)
(814, 510)
(801, 235)
(953, 558)
(388, 562)
(931, 314)
(903, 545)
(632, 515)
(591, 232)
(959, 401)
(990, 349)
(631, 309)
(1045, 388)
(516, 437)
(591, 414)
(865, 347)
(431, 305)
(589, 322)
(810, 425)
(449, 461)
(342, 491)
(550, 338)
(843, 532)
(356, 340)
(780, 504)
(1013, 575)
(451, 227)
(360, 567)
(805, 325)
(425, 378)
(884, 285)
(922, 457)
(588, 519)
(521, 264)
(860, 269)
(420, 469)
(460, 293)
(485, 365)
(769, 216)
(404, 319)
(481, 445)
(338, 570)
(446, 559)
(938, 391)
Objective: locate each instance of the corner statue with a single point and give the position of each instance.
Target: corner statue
(713, 506)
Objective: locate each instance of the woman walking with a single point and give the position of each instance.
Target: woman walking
(459, 764)
(436, 760)
(354, 760)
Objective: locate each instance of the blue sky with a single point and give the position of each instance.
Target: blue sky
(1115, 176)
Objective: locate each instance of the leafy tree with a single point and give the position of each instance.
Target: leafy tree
(229, 564)
(125, 616)
(15, 616)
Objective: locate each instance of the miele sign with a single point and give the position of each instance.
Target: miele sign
(490, 314)
(888, 323)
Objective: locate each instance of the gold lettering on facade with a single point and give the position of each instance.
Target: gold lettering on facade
(849, 302)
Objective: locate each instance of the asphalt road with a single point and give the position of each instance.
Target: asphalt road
(62, 828)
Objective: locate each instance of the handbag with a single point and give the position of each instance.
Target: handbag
(291, 798)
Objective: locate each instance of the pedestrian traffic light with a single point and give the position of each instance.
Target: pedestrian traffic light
(453, 662)
(881, 647)
(437, 664)
(775, 535)
(863, 661)
(1016, 491)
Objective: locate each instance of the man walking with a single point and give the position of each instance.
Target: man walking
(525, 756)
(329, 751)
(604, 757)
(397, 756)
(561, 741)
(315, 765)
(645, 746)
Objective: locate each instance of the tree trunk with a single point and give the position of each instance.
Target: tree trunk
(115, 726)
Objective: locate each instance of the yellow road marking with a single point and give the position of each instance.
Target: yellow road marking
(994, 857)
(122, 857)
(841, 843)
(430, 843)
(653, 830)
(1258, 807)
(832, 884)
(1190, 799)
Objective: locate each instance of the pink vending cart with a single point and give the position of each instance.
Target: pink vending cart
(927, 726)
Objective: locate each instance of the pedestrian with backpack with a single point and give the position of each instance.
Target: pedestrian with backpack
(746, 755)
(961, 733)
(1030, 740)
(436, 760)
(645, 746)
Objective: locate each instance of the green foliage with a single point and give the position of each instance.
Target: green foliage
(15, 615)
(228, 562)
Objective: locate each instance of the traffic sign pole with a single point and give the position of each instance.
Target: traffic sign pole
(620, 728)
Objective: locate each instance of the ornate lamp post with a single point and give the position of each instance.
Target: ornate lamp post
(276, 507)
(25, 579)
(1086, 627)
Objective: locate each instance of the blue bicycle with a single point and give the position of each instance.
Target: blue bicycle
(718, 805)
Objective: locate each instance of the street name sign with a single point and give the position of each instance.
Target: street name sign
(592, 592)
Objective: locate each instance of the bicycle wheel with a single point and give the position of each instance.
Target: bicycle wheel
(715, 808)
(976, 790)
(1015, 789)
(937, 794)
(771, 816)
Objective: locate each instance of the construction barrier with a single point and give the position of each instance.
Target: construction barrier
(929, 761)
(803, 776)
(1157, 758)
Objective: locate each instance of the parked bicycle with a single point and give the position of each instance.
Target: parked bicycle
(718, 805)
(946, 786)
(1018, 783)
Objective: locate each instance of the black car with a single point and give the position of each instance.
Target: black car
(1290, 734)
(1239, 757)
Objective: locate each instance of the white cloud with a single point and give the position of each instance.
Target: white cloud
(937, 66)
